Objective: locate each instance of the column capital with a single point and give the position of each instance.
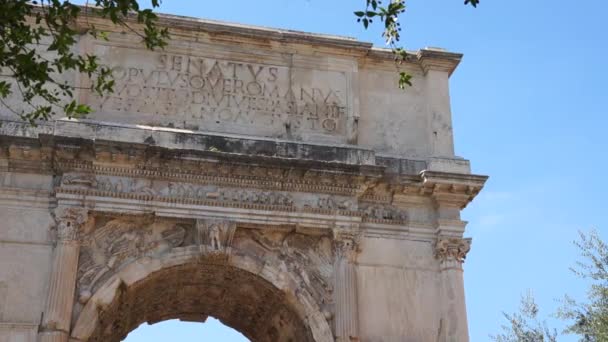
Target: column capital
(69, 222)
(452, 249)
(346, 242)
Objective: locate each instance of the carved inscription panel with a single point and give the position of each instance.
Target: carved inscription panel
(205, 93)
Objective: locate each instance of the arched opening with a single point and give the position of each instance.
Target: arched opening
(192, 292)
(176, 330)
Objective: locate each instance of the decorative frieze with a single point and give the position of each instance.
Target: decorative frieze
(334, 203)
(192, 191)
(79, 180)
(378, 213)
(201, 172)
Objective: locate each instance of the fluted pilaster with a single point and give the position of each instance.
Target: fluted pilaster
(60, 299)
(345, 288)
(451, 253)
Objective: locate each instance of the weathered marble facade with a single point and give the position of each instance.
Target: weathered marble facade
(276, 180)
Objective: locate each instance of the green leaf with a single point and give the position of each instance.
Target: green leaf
(5, 89)
(404, 80)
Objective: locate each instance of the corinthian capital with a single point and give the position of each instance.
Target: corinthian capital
(346, 243)
(69, 220)
(452, 249)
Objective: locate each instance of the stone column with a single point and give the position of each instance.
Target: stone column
(60, 299)
(451, 253)
(345, 287)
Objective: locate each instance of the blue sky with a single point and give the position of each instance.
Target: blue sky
(529, 106)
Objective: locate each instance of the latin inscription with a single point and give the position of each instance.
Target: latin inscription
(221, 92)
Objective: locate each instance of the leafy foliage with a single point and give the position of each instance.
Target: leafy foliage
(389, 16)
(524, 326)
(590, 320)
(37, 40)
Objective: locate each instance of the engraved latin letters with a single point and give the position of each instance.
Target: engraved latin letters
(226, 92)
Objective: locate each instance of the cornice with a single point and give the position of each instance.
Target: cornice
(438, 59)
(451, 189)
(345, 170)
(265, 36)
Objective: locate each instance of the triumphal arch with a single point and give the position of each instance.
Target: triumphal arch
(277, 180)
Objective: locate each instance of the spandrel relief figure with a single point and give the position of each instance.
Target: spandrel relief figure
(308, 257)
(119, 241)
(214, 237)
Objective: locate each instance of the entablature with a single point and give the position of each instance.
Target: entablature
(127, 166)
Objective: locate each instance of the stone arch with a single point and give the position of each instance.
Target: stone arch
(264, 302)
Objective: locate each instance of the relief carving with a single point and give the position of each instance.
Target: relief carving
(69, 221)
(215, 236)
(86, 180)
(346, 243)
(334, 203)
(257, 197)
(119, 241)
(125, 185)
(307, 256)
(192, 191)
(378, 213)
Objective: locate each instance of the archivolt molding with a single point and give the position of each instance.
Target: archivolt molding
(102, 306)
(122, 247)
